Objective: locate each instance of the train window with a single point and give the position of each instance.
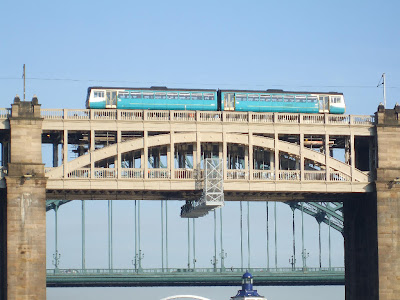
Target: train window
(208, 96)
(197, 96)
(335, 99)
(184, 96)
(98, 94)
(253, 97)
(136, 95)
(312, 99)
(288, 98)
(276, 98)
(300, 98)
(265, 98)
(123, 94)
(172, 96)
(147, 95)
(160, 96)
(241, 97)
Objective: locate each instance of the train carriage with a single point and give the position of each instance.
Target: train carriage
(163, 98)
(282, 101)
(155, 98)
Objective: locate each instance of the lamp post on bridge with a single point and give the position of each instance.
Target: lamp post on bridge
(305, 255)
(137, 262)
(214, 262)
(292, 261)
(56, 260)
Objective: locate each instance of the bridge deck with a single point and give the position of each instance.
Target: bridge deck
(87, 178)
(193, 277)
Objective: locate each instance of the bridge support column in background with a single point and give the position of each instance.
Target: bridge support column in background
(26, 206)
(388, 201)
(3, 244)
(360, 240)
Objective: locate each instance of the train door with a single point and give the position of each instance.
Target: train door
(111, 99)
(229, 101)
(323, 104)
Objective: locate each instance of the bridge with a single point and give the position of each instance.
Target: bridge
(304, 160)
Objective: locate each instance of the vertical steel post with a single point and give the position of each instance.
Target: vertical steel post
(241, 236)
(136, 254)
(83, 236)
(215, 240)
(302, 236)
(140, 250)
(194, 244)
(276, 251)
(294, 242)
(56, 228)
(222, 245)
(248, 233)
(166, 233)
(188, 240)
(56, 256)
(267, 228)
(110, 255)
(329, 220)
(162, 235)
(319, 241)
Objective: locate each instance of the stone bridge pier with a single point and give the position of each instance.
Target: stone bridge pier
(23, 208)
(372, 227)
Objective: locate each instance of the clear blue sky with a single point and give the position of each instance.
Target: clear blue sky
(342, 46)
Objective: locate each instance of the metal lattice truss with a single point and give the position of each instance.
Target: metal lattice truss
(213, 191)
(213, 182)
(330, 213)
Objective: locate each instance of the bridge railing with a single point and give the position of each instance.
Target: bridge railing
(290, 175)
(131, 173)
(195, 174)
(236, 174)
(263, 175)
(200, 116)
(184, 173)
(315, 175)
(77, 272)
(5, 113)
(339, 176)
(79, 173)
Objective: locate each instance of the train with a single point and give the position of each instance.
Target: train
(163, 98)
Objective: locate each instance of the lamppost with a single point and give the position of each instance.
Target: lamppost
(56, 260)
(305, 255)
(223, 255)
(137, 262)
(214, 262)
(292, 261)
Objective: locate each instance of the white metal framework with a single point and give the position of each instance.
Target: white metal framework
(213, 191)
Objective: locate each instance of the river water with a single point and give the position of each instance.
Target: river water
(213, 293)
